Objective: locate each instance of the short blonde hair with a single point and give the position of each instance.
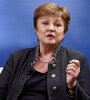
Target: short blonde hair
(53, 10)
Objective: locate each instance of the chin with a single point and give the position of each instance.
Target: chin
(50, 43)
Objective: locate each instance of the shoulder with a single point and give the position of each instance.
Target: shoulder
(74, 54)
(19, 57)
(21, 54)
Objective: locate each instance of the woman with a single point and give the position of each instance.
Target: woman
(48, 71)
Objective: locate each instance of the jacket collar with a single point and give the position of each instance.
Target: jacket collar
(37, 52)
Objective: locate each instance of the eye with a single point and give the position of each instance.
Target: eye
(45, 23)
(57, 24)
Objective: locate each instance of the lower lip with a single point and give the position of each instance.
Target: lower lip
(50, 37)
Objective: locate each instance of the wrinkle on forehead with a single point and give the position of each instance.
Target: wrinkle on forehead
(57, 19)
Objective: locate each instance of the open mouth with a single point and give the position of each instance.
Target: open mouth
(50, 35)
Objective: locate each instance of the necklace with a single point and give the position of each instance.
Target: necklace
(46, 60)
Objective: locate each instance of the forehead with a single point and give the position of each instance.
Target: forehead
(54, 18)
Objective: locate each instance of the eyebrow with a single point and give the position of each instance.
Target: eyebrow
(55, 20)
(58, 20)
(44, 18)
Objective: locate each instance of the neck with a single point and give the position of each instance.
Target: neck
(46, 51)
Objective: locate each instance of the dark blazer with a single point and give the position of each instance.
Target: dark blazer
(18, 70)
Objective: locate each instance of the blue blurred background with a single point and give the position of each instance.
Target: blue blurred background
(17, 31)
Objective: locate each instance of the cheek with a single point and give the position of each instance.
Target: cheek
(60, 32)
(40, 29)
(60, 36)
(39, 33)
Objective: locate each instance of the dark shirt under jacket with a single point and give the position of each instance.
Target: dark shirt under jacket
(35, 88)
(18, 70)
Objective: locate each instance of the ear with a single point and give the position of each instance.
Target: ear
(36, 30)
(64, 35)
(62, 39)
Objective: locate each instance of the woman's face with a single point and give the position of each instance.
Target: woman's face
(50, 30)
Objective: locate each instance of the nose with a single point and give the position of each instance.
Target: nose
(51, 27)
